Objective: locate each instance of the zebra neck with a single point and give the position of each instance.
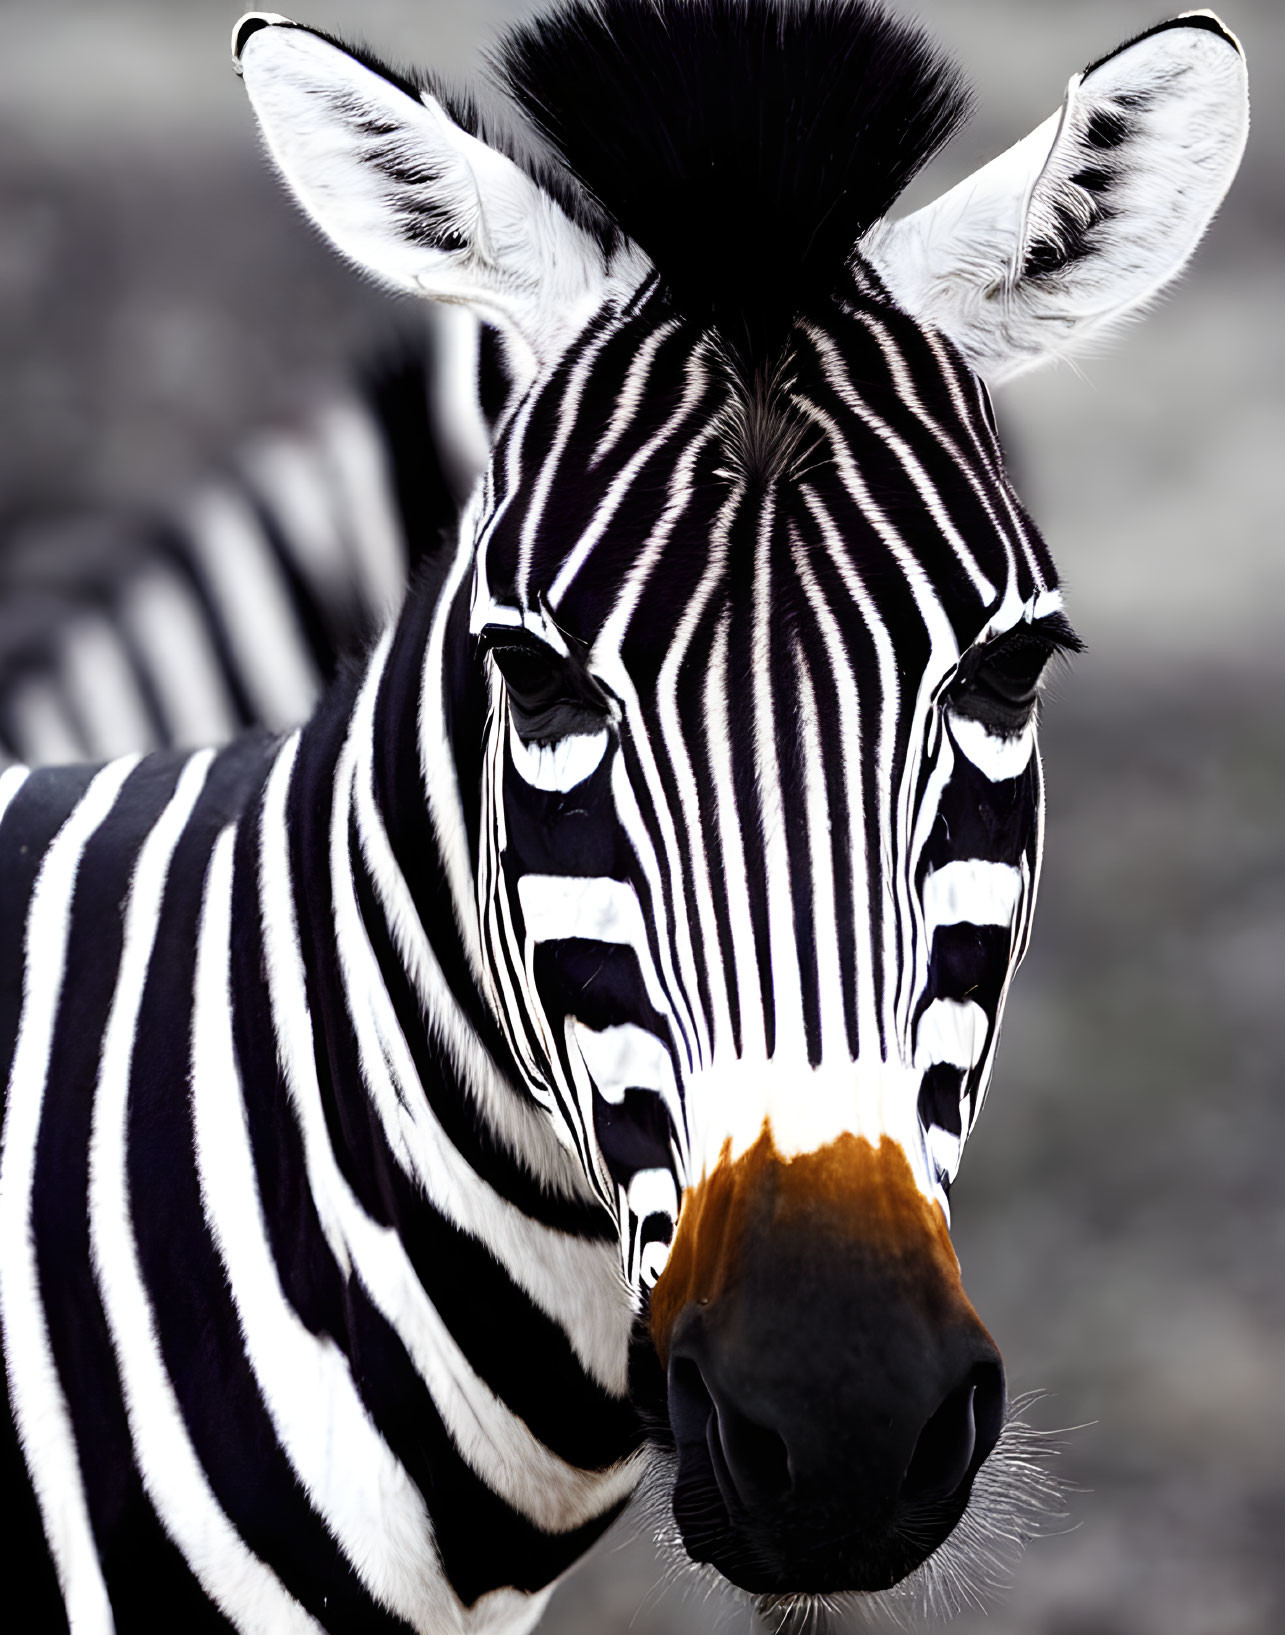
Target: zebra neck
(364, 961)
(385, 1204)
(351, 884)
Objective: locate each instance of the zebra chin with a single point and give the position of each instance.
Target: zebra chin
(826, 1390)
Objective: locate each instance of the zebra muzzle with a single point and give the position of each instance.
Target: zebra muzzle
(830, 1390)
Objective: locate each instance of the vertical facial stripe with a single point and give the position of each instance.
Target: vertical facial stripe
(837, 375)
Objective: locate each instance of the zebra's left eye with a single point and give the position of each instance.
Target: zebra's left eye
(998, 683)
(550, 697)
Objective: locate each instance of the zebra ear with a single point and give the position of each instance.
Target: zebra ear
(1083, 222)
(401, 189)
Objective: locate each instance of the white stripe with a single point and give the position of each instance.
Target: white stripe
(834, 1039)
(559, 906)
(624, 603)
(524, 1027)
(42, 730)
(556, 907)
(168, 626)
(653, 1192)
(104, 690)
(295, 486)
(353, 1480)
(460, 431)
(560, 765)
(997, 757)
(951, 1031)
(972, 892)
(945, 1149)
(367, 508)
(254, 606)
(940, 750)
(35, 1391)
(851, 735)
(787, 989)
(490, 501)
(627, 1057)
(11, 781)
(438, 777)
(731, 843)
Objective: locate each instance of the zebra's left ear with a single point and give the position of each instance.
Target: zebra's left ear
(402, 189)
(1083, 222)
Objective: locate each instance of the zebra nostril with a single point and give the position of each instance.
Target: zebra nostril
(956, 1438)
(691, 1407)
(756, 1458)
(750, 1461)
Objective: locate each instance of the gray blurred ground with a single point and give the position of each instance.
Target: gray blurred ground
(1121, 1215)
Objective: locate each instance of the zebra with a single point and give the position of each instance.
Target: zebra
(542, 1075)
(234, 607)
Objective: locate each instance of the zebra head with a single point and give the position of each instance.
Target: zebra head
(737, 668)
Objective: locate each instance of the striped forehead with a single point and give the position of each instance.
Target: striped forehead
(643, 473)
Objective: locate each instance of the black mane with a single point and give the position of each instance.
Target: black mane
(744, 145)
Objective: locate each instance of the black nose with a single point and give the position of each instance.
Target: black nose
(880, 1464)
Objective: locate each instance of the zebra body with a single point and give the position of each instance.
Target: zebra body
(311, 1323)
(546, 1069)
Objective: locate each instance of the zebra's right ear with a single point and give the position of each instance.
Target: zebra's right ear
(1082, 223)
(411, 197)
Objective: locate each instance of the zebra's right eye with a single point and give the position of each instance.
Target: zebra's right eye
(999, 682)
(550, 697)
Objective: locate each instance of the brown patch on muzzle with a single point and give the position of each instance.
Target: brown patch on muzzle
(848, 1198)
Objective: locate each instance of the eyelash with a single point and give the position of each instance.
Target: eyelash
(998, 682)
(550, 698)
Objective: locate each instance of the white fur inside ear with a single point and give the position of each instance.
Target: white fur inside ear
(1080, 224)
(399, 188)
(358, 154)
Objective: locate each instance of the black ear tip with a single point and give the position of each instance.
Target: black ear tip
(1213, 23)
(250, 24)
(1205, 20)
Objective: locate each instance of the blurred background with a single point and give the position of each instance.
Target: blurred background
(1121, 1213)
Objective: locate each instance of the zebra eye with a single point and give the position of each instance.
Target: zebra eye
(550, 697)
(998, 683)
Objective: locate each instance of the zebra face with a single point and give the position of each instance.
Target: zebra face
(759, 836)
(738, 666)
(761, 798)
